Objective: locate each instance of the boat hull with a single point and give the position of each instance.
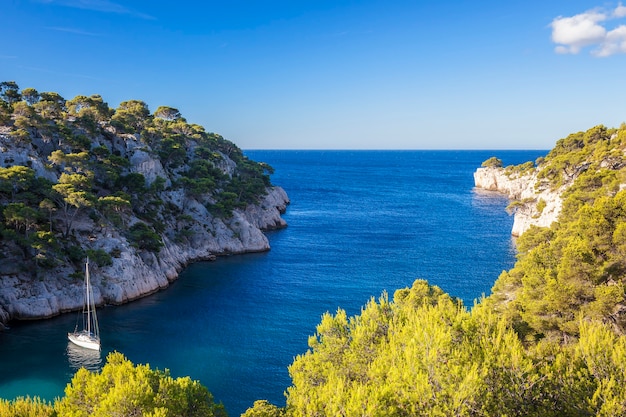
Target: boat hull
(84, 339)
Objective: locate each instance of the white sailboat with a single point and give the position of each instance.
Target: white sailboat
(89, 336)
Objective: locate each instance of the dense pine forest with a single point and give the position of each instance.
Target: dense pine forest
(548, 341)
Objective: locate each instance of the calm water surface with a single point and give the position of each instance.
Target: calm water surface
(360, 223)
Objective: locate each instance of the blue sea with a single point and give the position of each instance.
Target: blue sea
(360, 223)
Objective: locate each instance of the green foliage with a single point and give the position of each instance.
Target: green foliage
(378, 364)
(158, 185)
(78, 142)
(15, 179)
(578, 153)
(172, 151)
(521, 169)
(30, 95)
(143, 237)
(89, 111)
(131, 116)
(133, 183)
(123, 389)
(515, 205)
(20, 217)
(5, 113)
(576, 268)
(262, 408)
(26, 407)
(9, 92)
(50, 106)
(226, 202)
(492, 162)
(81, 142)
(424, 354)
(547, 342)
(115, 208)
(202, 177)
(72, 194)
(167, 113)
(541, 205)
(100, 257)
(76, 254)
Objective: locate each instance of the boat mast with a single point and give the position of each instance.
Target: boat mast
(88, 300)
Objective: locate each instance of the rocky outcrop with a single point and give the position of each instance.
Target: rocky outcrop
(136, 274)
(194, 234)
(532, 205)
(20, 154)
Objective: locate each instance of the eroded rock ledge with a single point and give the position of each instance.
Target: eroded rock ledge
(533, 205)
(136, 274)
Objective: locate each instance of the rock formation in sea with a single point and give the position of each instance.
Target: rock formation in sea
(133, 273)
(533, 204)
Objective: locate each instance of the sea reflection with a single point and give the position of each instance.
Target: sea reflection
(79, 357)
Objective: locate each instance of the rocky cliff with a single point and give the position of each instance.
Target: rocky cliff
(532, 204)
(135, 274)
(189, 231)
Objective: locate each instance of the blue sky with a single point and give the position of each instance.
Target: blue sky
(341, 74)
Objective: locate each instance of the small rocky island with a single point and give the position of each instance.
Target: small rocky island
(141, 194)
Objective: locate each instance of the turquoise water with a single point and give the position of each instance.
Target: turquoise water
(360, 223)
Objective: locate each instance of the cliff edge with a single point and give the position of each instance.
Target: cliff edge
(533, 204)
(134, 274)
(192, 234)
(141, 194)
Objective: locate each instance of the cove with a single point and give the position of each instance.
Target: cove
(360, 223)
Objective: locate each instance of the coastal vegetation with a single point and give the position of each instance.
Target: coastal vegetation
(548, 341)
(67, 160)
(121, 389)
(425, 354)
(573, 271)
(492, 162)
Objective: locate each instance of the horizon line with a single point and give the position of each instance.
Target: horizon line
(401, 149)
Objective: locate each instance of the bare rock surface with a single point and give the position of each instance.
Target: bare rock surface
(538, 207)
(134, 273)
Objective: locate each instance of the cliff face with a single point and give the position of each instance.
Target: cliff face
(134, 273)
(534, 205)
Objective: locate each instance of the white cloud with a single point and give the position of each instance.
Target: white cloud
(576, 32)
(614, 43)
(620, 11)
(572, 34)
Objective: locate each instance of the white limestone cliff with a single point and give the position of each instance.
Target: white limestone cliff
(534, 205)
(133, 273)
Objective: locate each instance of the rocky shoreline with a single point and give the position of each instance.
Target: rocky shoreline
(28, 294)
(137, 274)
(533, 206)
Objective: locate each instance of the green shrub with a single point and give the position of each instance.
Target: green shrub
(100, 257)
(141, 236)
(492, 162)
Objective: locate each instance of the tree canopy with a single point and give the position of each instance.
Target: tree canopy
(81, 143)
(548, 341)
(122, 389)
